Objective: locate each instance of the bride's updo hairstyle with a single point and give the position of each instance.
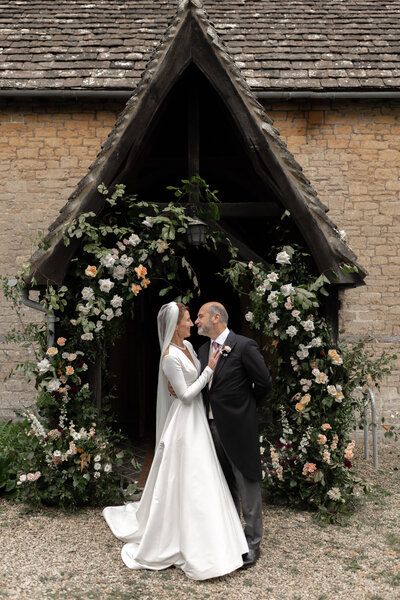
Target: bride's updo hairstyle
(182, 309)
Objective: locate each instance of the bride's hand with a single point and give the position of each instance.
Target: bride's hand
(212, 363)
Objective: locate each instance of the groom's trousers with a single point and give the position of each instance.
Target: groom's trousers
(245, 493)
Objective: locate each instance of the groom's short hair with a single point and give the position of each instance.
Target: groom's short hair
(217, 308)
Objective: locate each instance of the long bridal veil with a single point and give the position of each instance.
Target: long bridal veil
(167, 320)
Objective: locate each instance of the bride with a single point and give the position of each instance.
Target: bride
(186, 516)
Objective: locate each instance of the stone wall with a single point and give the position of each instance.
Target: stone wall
(348, 149)
(45, 149)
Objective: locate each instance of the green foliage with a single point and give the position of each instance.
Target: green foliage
(67, 460)
(13, 444)
(318, 384)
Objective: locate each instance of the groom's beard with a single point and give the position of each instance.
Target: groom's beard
(204, 330)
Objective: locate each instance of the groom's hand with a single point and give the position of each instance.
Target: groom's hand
(171, 390)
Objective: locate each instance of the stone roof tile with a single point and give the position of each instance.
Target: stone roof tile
(283, 44)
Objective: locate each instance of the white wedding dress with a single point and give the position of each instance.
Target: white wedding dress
(186, 516)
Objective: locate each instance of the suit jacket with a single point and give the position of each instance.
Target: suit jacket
(240, 381)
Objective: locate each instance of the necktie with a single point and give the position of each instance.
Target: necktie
(215, 346)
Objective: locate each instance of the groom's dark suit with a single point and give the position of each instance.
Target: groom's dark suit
(240, 381)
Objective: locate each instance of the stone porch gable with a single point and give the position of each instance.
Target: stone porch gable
(312, 45)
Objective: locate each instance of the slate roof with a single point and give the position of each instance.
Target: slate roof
(279, 45)
(329, 250)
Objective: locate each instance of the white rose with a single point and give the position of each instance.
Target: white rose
(119, 272)
(248, 316)
(148, 222)
(107, 467)
(302, 352)
(85, 310)
(53, 385)
(97, 466)
(96, 474)
(118, 312)
(291, 331)
(126, 260)
(272, 277)
(287, 289)
(87, 337)
(308, 325)
(107, 261)
(44, 365)
(106, 285)
(271, 298)
(273, 317)
(87, 293)
(116, 302)
(283, 258)
(133, 240)
(109, 314)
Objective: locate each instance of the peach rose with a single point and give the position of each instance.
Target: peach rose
(91, 271)
(69, 370)
(141, 271)
(145, 283)
(52, 351)
(61, 341)
(135, 289)
(326, 426)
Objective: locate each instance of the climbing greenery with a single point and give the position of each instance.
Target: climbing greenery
(128, 248)
(317, 395)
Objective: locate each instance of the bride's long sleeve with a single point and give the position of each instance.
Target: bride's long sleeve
(172, 368)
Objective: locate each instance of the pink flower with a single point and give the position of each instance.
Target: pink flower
(288, 303)
(334, 442)
(326, 426)
(321, 439)
(69, 370)
(61, 341)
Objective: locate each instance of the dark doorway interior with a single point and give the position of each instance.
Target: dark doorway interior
(133, 361)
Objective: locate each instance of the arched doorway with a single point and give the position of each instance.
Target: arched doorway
(134, 358)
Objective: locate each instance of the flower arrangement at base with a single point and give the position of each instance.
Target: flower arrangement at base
(317, 391)
(68, 467)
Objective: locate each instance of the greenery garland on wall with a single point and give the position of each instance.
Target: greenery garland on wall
(72, 451)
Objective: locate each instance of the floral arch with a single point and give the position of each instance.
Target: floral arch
(307, 457)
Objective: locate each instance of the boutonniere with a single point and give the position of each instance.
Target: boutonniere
(225, 350)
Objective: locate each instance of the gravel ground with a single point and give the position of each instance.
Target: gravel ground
(50, 555)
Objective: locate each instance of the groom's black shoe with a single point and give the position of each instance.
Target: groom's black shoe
(250, 558)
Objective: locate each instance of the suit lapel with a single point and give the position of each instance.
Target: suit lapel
(222, 361)
(203, 355)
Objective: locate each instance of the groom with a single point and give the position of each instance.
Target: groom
(240, 380)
